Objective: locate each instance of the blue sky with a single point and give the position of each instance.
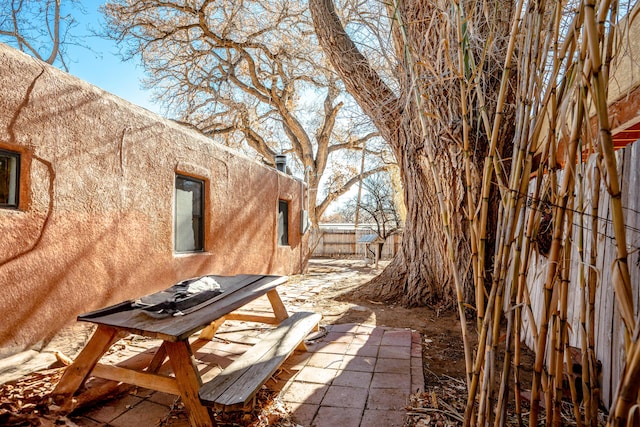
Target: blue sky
(102, 66)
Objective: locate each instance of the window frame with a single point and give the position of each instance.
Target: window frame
(200, 237)
(285, 223)
(16, 189)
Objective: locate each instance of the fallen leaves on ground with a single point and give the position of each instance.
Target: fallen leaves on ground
(269, 410)
(440, 405)
(26, 402)
(443, 403)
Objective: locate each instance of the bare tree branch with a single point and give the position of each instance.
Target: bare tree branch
(39, 28)
(362, 82)
(333, 195)
(239, 68)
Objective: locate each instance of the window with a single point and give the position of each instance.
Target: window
(189, 214)
(9, 179)
(283, 223)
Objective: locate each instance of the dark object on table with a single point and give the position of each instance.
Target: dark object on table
(179, 298)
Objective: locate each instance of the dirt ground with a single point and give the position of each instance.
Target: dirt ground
(443, 353)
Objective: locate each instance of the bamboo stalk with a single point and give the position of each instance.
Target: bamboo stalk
(559, 216)
(563, 344)
(548, 397)
(555, 381)
(531, 91)
(518, 208)
(621, 278)
(471, 204)
(443, 207)
(517, 339)
(521, 169)
(588, 360)
(522, 278)
(479, 360)
(493, 134)
(584, 298)
(572, 387)
(550, 95)
(482, 224)
(578, 57)
(521, 261)
(628, 390)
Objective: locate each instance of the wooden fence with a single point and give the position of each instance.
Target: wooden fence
(340, 240)
(609, 330)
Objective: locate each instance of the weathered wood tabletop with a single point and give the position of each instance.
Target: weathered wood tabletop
(237, 291)
(122, 319)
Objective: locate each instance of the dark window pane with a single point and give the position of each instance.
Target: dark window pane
(283, 223)
(9, 179)
(189, 215)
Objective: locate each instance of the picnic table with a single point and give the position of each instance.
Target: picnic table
(235, 385)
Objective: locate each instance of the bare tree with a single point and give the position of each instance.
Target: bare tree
(377, 206)
(247, 71)
(38, 27)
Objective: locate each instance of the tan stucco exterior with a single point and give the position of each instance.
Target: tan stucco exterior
(95, 223)
(625, 67)
(624, 82)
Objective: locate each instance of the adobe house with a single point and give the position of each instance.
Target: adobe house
(102, 201)
(623, 97)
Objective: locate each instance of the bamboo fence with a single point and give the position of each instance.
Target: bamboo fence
(609, 329)
(583, 292)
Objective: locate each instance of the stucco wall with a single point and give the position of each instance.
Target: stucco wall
(625, 67)
(95, 224)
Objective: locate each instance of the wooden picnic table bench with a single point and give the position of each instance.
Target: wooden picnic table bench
(239, 382)
(236, 385)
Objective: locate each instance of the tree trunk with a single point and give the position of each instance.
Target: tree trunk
(421, 272)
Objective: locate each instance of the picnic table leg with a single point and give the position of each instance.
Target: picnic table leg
(189, 382)
(278, 307)
(77, 373)
(158, 359)
(208, 332)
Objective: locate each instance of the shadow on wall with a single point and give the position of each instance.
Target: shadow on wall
(94, 265)
(25, 246)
